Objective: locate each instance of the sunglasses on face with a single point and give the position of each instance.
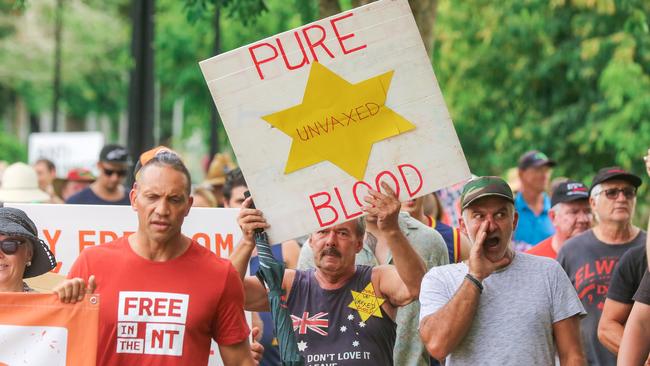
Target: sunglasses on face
(120, 173)
(10, 246)
(612, 193)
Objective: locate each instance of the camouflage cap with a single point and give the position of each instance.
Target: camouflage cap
(483, 187)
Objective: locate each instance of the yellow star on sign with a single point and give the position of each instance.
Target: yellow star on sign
(338, 121)
(366, 303)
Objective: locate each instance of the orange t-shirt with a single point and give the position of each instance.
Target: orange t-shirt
(162, 313)
(544, 248)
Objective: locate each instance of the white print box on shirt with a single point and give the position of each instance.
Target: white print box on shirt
(151, 323)
(33, 345)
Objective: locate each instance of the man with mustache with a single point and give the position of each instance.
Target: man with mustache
(430, 245)
(500, 307)
(570, 214)
(342, 313)
(590, 258)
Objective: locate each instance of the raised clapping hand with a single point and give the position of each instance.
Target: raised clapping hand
(73, 290)
(383, 206)
(479, 265)
(250, 219)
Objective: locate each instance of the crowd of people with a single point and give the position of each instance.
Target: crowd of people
(489, 272)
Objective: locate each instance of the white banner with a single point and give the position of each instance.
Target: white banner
(67, 150)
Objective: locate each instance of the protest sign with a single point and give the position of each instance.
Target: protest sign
(67, 150)
(320, 114)
(68, 229)
(37, 329)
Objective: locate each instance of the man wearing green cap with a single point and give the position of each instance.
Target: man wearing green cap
(499, 306)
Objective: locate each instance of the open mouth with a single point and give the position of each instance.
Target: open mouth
(492, 242)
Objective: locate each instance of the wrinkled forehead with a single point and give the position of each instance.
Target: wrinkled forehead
(575, 205)
(150, 179)
(349, 226)
(490, 204)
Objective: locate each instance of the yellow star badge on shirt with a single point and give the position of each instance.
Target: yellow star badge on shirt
(338, 121)
(366, 303)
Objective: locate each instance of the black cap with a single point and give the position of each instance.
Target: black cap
(615, 172)
(484, 187)
(569, 191)
(534, 158)
(15, 222)
(114, 154)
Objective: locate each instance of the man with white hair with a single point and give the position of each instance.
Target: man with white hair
(589, 258)
(570, 214)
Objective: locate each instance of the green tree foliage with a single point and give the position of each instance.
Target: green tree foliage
(95, 56)
(11, 150)
(571, 78)
(182, 41)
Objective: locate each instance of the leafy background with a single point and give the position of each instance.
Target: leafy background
(568, 77)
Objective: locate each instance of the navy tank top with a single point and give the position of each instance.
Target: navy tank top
(342, 327)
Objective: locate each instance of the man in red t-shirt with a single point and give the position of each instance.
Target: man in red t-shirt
(570, 215)
(163, 296)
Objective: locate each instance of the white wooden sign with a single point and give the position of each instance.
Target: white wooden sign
(67, 150)
(319, 114)
(68, 229)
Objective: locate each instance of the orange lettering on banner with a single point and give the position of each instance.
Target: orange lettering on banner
(220, 244)
(88, 238)
(51, 242)
(83, 243)
(107, 234)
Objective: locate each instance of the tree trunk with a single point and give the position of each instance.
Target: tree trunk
(141, 84)
(214, 114)
(58, 28)
(424, 12)
(328, 8)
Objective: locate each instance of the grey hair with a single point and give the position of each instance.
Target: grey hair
(510, 205)
(360, 228)
(596, 191)
(172, 160)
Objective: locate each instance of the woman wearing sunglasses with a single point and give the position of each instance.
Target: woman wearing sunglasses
(22, 253)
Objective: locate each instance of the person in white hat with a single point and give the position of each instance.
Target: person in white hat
(20, 185)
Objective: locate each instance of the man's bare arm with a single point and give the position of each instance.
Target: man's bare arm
(612, 323)
(442, 331)
(237, 354)
(635, 344)
(401, 283)
(567, 341)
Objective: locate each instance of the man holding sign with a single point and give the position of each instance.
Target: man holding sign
(342, 313)
(157, 306)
